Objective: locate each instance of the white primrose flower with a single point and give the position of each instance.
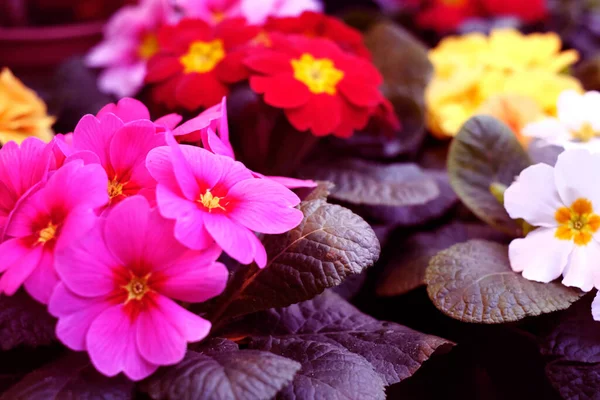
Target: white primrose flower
(577, 124)
(564, 203)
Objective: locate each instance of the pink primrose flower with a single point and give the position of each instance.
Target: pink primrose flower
(119, 285)
(129, 42)
(213, 197)
(47, 220)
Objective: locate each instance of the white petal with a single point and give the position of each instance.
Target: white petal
(533, 196)
(574, 175)
(540, 256)
(596, 307)
(548, 129)
(571, 109)
(593, 146)
(582, 269)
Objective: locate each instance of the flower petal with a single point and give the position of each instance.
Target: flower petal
(533, 196)
(542, 266)
(264, 206)
(42, 281)
(75, 315)
(125, 230)
(596, 307)
(194, 277)
(111, 343)
(16, 274)
(94, 134)
(582, 270)
(573, 177)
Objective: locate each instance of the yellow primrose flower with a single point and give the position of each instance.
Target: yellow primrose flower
(471, 69)
(22, 112)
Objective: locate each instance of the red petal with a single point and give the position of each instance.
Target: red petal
(283, 91)
(322, 115)
(232, 68)
(269, 63)
(200, 90)
(164, 92)
(353, 119)
(161, 67)
(359, 93)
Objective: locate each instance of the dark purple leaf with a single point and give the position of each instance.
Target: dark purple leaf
(394, 351)
(406, 266)
(367, 183)
(473, 282)
(421, 213)
(70, 378)
(24, 322)
(575, 381)
(576, 337)
(330, 245)
(219, 370)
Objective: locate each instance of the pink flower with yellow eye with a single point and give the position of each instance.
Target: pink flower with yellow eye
(120, 284)
(215, 198)
(120, 145)
(48, 220)
(129, 42)
(565, 206)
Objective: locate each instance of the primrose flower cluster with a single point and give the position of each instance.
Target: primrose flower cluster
(563, 203)
(114, 223)
(312, 66)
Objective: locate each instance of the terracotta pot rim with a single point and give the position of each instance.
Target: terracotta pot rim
(50, 33)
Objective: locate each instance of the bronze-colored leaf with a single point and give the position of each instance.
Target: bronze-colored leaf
(473, 282)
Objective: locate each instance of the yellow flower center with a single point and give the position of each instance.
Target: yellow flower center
(209, 201)
(48, 233)
(137, 287)
(577, 223)
(148, 47)
(585, 133)
(115, 188)
(319, 74)
(203, 57)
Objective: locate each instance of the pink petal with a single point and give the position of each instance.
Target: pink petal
(233, 172)
(160, 166)
(183, 158)
(127, 109)
(169, 121)
(111, 343)
(190, 326)
(160, 245)
(109, 53)
(264, 206)
(43, 279)
(212, 142)
(86, 267)
(174, 205)
(85, 155)
(194, 277)
(191, 231)
(25, 166)
(237, 241)
(122, 80)
(292, 183)
(76, 225)
(95, 134)
(75, 315)
(19, 270)
(125, 230)
(158, 339)
(76, 185)
(131, 144)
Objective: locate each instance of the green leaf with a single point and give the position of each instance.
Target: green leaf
(24, 322)
(330, 244)
(219, 370)
(473, 282)
(70, 378)
(364, 182)
(486, 152)
(408, 260)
